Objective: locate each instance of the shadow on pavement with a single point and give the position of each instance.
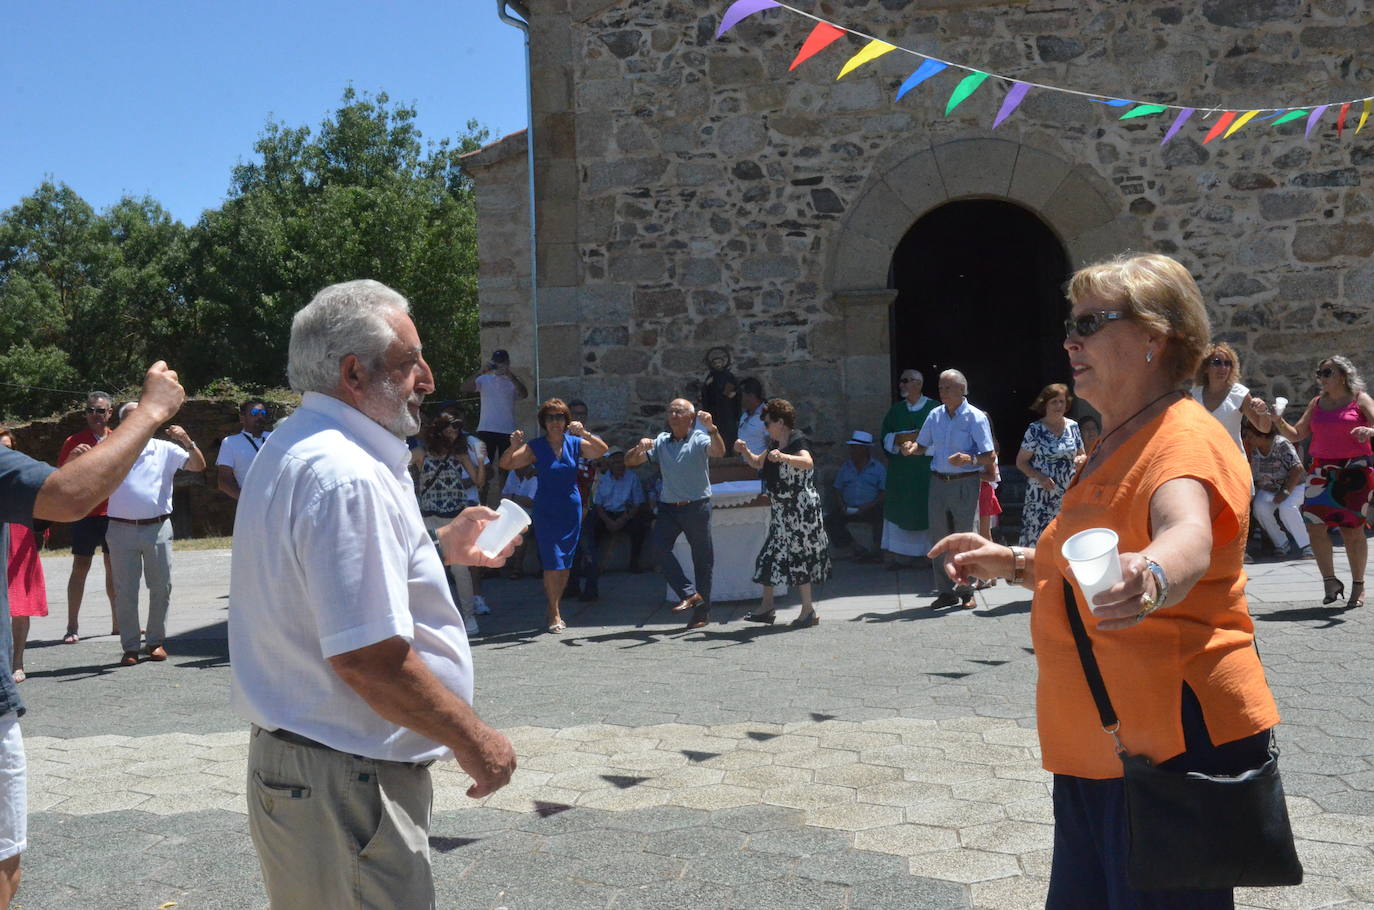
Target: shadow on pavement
(1329, 617)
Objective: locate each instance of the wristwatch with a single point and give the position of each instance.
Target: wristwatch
(1161, 584)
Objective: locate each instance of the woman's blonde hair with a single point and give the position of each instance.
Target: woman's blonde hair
(1157, 292)
(1213, 350)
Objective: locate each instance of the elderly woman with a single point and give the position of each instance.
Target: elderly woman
(1279, 477)
(1050, 452)
(1217, 388)
(449, 474)
(557, 502)
(797, 550)
(1340, 422)
(1174, 639)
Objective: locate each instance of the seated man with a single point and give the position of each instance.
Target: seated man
(521, 485)
(618, 505)
(857, 495)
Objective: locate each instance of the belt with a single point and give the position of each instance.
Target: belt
(949, 477)
(684, 502)
(143, 521)
(296, 739)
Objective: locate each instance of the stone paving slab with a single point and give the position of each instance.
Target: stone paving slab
(886, 758)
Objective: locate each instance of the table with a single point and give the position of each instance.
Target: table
(739, 525)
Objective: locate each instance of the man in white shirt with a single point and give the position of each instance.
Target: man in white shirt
(140, 537)
(499, 389)
(347, 653)
(751, 428)
(236, 452)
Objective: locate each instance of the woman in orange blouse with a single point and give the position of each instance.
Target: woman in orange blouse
(1174, 638)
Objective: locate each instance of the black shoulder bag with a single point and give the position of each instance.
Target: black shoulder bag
(1192, 831)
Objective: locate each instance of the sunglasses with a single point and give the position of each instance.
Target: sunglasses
(1090, 323)
(257, 412)
(1325, 373)
(91, 410)
(1219, 362)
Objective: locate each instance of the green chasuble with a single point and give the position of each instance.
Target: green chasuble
(908, 477)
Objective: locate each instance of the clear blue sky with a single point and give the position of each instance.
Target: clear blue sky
(164, 98)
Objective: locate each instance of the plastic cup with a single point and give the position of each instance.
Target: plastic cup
(1095, 563)
(509, 522)
(1279, 404)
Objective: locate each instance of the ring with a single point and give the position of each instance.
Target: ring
(1144, 612)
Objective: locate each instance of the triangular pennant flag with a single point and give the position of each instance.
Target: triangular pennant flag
(1278, 113)
(1112, 102)
(1368, 103)
(1009, 103)
(1245, 118)
(821, 37)
(1177, 125)
(871, 51)
(1222, 123)
(1291, 115)
(923, 72)
(1340, 120)
(1312, 119)
(1143, 110)
(741, 9)
(967, 87)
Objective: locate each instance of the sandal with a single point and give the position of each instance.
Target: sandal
(806, 622)
(19, 675)
(558, 627)
(1356, 594)
(1334, 588)
(70, 638)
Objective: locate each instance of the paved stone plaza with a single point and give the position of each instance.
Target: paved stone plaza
(886, 758)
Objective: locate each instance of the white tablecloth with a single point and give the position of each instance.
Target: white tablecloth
(738, 532)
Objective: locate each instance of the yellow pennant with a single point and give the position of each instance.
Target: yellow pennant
(1364, 116)
(871, 51)
(1240, 121)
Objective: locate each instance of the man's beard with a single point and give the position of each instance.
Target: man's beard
(391, 409)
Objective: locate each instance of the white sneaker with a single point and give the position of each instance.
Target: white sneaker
(479, 606)
(471, 625)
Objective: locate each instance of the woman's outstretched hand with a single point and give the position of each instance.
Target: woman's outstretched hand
(969, 555)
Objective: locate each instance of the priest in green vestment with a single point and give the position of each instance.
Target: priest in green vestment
(905, 522)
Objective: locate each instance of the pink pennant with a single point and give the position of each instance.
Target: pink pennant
(1009, 103)
(821, 37)
(742, 9)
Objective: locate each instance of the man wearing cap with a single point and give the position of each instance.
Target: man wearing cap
(618, 505)
(499, 388)
(859, 488)
(236, 452)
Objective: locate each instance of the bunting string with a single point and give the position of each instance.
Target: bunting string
(825, 33)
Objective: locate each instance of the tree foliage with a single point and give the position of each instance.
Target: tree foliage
(89, 299)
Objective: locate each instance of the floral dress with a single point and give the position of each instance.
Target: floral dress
(797, 550)
(1052, 455)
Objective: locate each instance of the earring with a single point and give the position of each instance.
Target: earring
(1149, 356)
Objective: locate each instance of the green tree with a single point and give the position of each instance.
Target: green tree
(361, 197)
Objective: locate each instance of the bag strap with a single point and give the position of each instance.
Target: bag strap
(1105, 711)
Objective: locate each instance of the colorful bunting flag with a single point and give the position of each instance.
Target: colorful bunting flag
(1312, 119)
(741, 9)
(1143, 110)
(967, 87)
(1009, 103)
(1278, 113)
(1291, 115)
(1181, 119)
(1112, 102)
(1217, 128)
(871, 51)
(1245, 118)
(923, 72)
(1340, 120)
(821, 37)
(1364, 115)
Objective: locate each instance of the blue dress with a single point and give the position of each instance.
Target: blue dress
(557, 502)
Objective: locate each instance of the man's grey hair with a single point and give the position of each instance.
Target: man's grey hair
(1353, 380)
(957, 377)
(126, 407)
(343, 319)
(97, 395)
(919, 378)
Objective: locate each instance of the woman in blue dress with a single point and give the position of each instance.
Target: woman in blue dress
(557, 503)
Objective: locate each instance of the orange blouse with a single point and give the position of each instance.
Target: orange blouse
(1206, 640)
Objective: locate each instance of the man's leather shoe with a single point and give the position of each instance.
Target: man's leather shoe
(129, 659)
(946, 600)
(695, 600)
(697, 623)
(157, 653)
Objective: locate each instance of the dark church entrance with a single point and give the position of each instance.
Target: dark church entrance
(980, 289)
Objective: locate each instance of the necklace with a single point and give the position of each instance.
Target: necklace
(1101, 443)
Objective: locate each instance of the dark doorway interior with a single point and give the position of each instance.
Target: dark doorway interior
(980, 289)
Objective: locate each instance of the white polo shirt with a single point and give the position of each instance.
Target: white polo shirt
(147, 489)
(331, 555)
(498, 403)
(238, 451)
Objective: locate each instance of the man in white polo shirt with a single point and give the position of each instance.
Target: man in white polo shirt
(140, 537)
(346, 651)
(236, 452)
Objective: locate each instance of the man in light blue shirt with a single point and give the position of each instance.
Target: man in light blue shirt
(617, 505)
(958, 438)
(859, 489)
(683, 457)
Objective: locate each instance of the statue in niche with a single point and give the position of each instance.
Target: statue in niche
(720, 394)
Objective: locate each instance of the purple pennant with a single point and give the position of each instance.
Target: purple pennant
(741, 9)
(1181, 119)
(1313, 117)
(1009, 103)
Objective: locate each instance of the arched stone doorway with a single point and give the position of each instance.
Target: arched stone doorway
(979, 289)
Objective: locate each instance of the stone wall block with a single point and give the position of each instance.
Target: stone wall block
(741, 136)
(1075, 209)
(605, 302)
(560, 351)
(560, 264)
(1035, 176)
(606, 336)
(624, 172)
(1322, 242)
(1285, 206)
(917, 182)
(696, 273)
(977, 166)
(765, 268)
(1359, 285)
(1312, 284)
(860, 262)
(881, 214)
(559, 305)
(608, 400)
(604, 94)
(661, 303)
(868, 374)
(644, 268)
(595, 219)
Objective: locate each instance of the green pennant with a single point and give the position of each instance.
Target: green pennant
(967, 87)
(1291, 115)
(1144, 110)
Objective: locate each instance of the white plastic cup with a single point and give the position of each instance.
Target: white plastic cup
(1095, 563)
(1279, 404)
(509, 522)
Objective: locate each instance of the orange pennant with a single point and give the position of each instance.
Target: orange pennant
(821, 37)
(1340, 120)
(1220, 126)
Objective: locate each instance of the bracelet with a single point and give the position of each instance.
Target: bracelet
(1018, 565)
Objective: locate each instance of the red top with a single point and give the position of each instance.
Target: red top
(85, 437)
(28, 593)
(1331, 437)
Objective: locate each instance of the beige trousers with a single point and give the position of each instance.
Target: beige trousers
(338, 831)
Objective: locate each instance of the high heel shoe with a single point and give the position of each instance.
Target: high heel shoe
(1334, 589)
(1356, 594)
(765, 618)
